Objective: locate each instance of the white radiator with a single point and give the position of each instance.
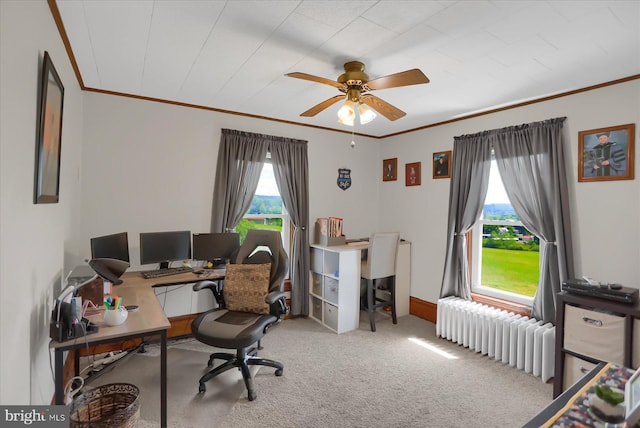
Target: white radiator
(517, 340)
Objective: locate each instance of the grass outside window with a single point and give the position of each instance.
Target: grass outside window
(509, 270)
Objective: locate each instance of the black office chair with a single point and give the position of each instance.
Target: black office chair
(251, 301)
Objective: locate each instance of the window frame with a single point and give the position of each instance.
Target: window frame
(286, 218)
(474, 256)
(476, 265)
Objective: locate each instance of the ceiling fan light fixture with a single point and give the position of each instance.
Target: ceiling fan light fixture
(347, 114)
(348, 122)
(355, 84)
(366, 114)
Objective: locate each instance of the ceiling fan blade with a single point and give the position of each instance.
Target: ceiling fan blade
(404, 78)
(323, 105)
(311, 77)
(384, 108)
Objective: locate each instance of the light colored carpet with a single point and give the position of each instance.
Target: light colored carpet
(354, 379)
(186, 362)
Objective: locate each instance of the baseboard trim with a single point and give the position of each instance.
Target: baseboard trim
(423, 309)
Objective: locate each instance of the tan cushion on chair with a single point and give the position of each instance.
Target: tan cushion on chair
(246, 286)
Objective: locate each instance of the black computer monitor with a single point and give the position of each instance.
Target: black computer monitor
(215, 247)
(115, 246)
(165, 247)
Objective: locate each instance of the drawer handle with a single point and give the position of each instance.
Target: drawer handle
(597, 323)
(583, 370)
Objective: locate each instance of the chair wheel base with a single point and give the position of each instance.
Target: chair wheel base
(202, 388)
(279, 372)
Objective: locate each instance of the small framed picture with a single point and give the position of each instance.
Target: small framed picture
(390, 169)
(413, 174)
(442, 164)
(606, 154)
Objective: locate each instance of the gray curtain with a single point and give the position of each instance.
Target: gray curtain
(290, 167)
(241, 156)
(531, 162)
(467, 192)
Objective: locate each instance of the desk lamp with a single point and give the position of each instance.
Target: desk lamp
(109, 269)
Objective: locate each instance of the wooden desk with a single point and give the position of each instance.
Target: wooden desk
(149, 320)
(570, 408)
(561, 401)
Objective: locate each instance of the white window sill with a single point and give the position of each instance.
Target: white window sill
(503, 295)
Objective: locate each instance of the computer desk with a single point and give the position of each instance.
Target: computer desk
(148, 320)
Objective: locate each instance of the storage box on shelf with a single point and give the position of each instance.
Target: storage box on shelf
(590, 330)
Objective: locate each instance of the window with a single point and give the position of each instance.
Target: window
(267, 210)
(505, 254)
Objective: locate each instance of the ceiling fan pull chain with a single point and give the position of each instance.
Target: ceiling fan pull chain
(353, 131)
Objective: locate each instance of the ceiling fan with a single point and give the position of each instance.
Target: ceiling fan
(355, 85)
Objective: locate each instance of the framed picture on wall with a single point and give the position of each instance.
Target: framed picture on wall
(390, 169)
(606, 154)
(442, 164)
(412, 174)
(49, 133)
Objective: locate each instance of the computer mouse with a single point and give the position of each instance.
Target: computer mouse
(615, 286)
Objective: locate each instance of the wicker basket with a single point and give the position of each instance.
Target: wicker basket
(111, 405)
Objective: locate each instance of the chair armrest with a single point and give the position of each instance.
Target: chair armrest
(277, 300)
(274, 296)
(207, 284)
(214, 286)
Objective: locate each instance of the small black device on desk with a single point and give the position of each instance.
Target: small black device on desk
(602, 290)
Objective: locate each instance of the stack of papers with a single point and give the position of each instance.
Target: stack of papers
(330, 227)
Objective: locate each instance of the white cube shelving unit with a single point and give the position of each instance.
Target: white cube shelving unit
(334, 298)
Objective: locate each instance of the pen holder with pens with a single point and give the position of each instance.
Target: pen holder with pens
(113, 317)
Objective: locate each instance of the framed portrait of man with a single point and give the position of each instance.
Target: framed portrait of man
(442, 164)
(606, 154)
(390, 169)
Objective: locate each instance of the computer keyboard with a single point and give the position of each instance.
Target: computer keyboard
(157, 273)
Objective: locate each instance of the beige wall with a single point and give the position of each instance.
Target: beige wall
(132, 165)
(37, 242)
(605, 215)
(179, 147)
(151, 167)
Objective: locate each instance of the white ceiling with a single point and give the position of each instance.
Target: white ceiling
(233, 55)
